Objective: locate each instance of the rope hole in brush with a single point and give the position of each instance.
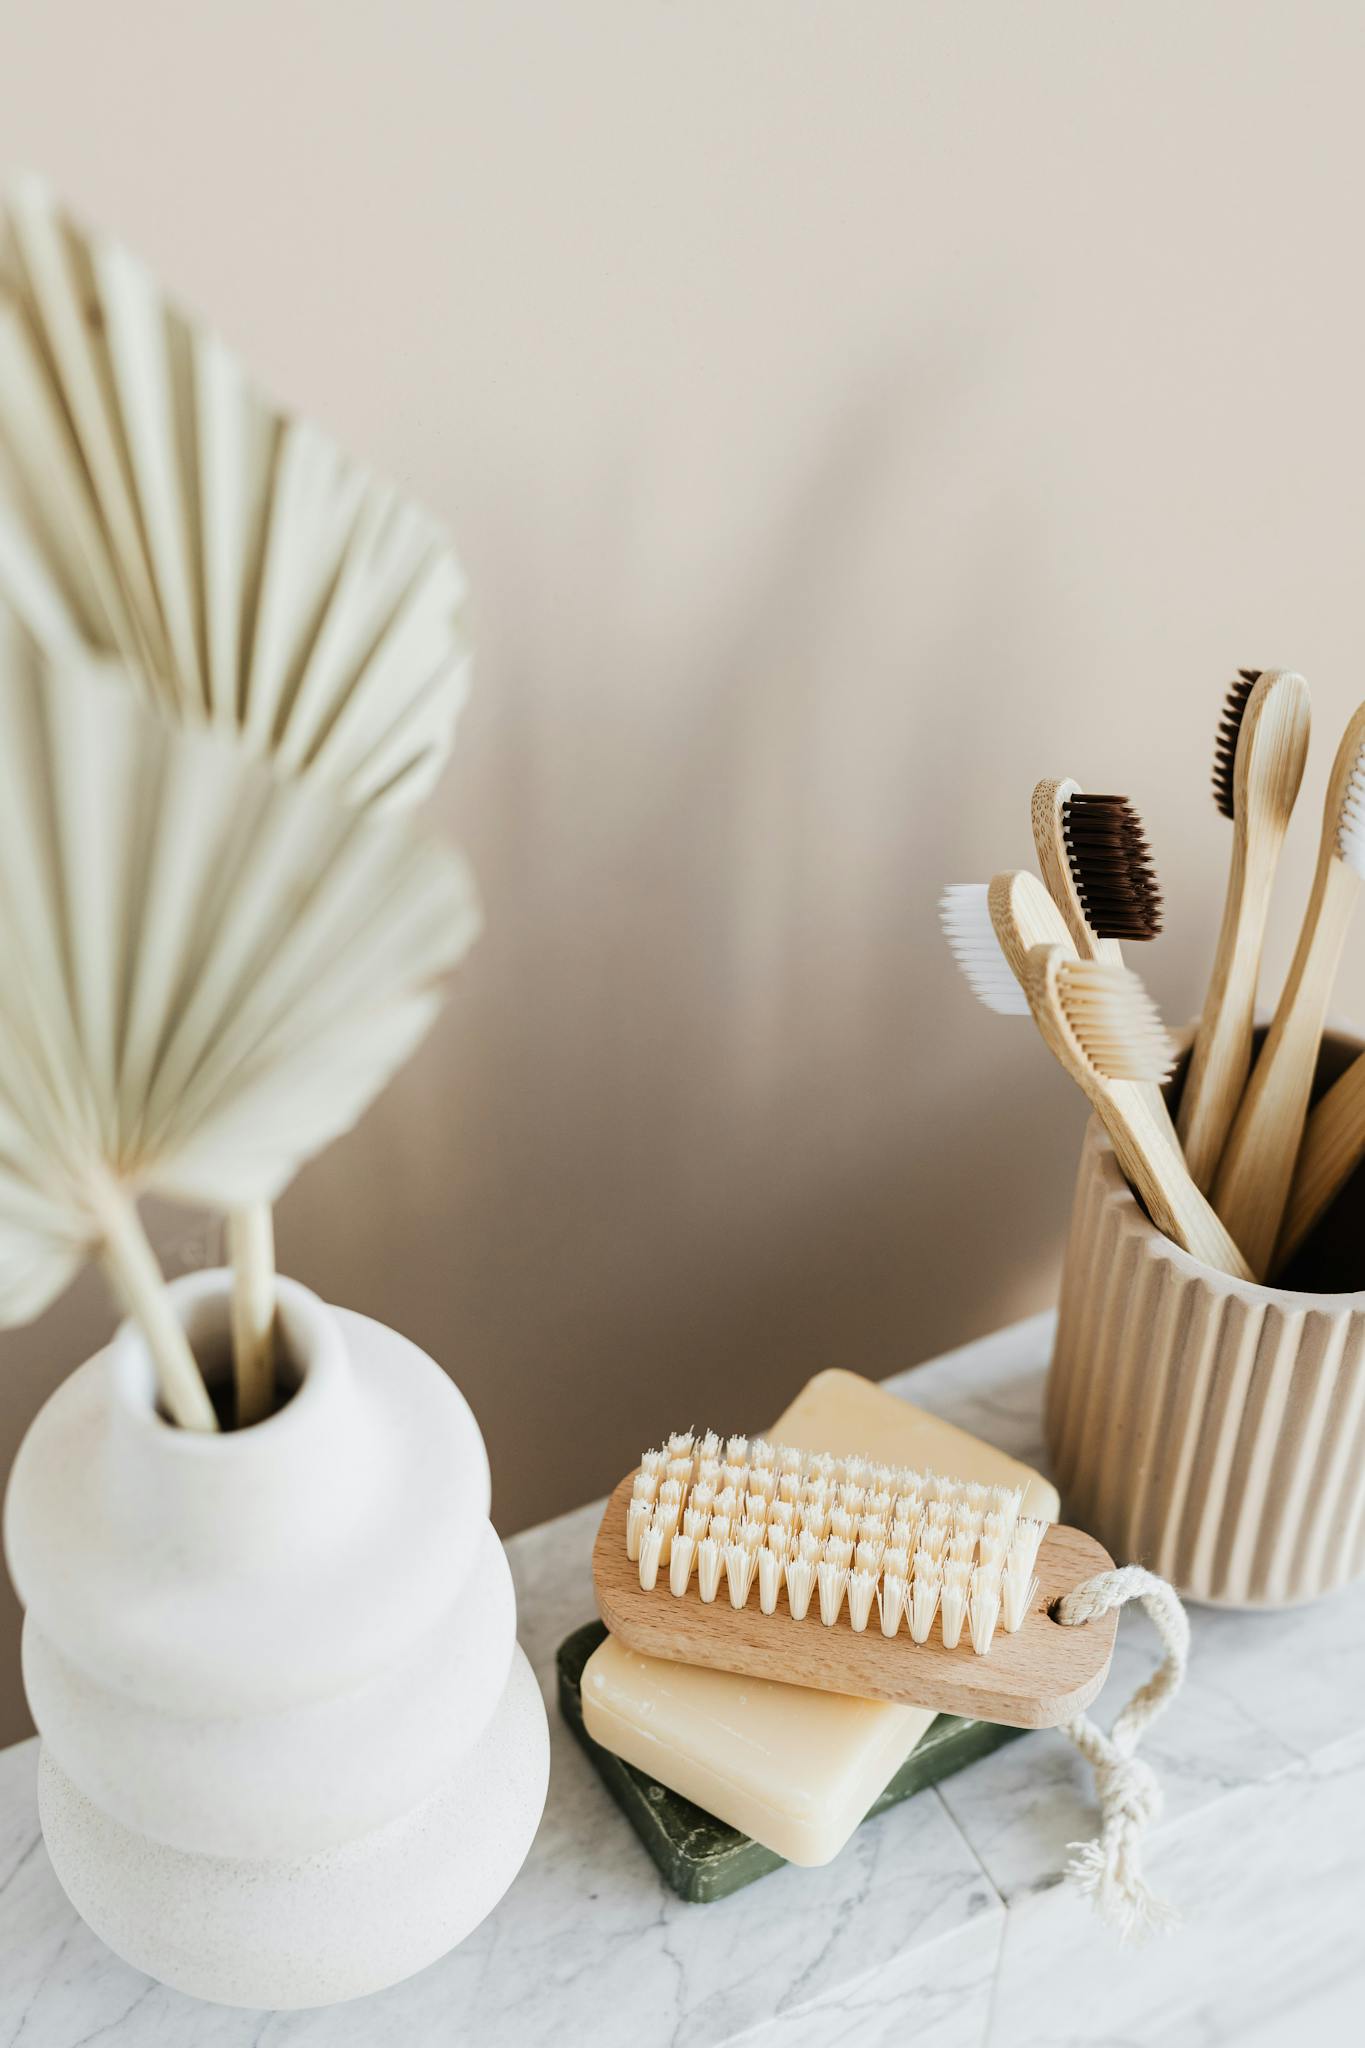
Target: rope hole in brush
(1108, 1870)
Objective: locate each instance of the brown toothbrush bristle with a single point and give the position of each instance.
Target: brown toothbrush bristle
(1111, 865)
(1225, 745)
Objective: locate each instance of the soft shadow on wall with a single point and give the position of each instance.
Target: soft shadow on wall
(695, 1142)
(696, 1122)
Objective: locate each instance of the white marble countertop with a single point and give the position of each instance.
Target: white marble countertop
(943, 1922)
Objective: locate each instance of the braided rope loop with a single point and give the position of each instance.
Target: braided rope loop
(1109, 1869)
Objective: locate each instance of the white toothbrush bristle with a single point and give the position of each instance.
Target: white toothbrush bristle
(964, 912)
(1351, 823)
(1116, 1023)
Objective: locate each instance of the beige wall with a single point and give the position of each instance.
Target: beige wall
(847, 414)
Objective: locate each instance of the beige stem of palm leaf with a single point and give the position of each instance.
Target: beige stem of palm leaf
(206, 973)
(155, 506)
(251, 1254)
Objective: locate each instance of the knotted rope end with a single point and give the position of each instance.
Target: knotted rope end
(1108, 1871)
(1127, 1904)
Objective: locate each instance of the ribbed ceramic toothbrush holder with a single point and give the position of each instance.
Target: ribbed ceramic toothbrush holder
(1206, 1427)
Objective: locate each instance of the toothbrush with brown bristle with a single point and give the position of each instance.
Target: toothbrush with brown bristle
(1251, 1189)
(1097, 866)
(1259, 754)
(1096, 862)
(1002, 936)
(1102, 1026)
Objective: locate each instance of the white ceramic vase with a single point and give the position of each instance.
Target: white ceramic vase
(291, 1751)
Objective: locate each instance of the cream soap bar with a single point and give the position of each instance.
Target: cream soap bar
(795, 1768)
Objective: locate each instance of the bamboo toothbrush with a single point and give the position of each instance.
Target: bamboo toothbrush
(1022, 915)
(991, 928)
(969, 927)
(1110, 1039)
(1259, 754)
(1097, 866)
(1252, 1186)
(1103, 1027)
(1333, 1146)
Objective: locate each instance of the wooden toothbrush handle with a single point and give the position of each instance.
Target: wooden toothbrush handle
(1333, 1145)
(1253, 1181)
(1221, 1057)
(1144, 1104)
(1162, 1181)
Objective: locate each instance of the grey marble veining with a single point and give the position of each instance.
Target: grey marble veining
(942, 1923)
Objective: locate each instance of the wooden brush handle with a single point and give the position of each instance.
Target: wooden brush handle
(1252, 1186)
(1333, 1146)
(1145, 1106)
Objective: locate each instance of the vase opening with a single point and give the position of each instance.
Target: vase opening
(307, 1355)
(213, 1356)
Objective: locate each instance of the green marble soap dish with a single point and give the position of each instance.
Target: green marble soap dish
(699, 1856)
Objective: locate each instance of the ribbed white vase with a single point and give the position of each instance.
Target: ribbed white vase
(291, 1751)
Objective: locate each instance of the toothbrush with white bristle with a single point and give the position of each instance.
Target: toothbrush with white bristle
(964, 914)
(1103, 1028)
(1252, 1187)
(993, 926)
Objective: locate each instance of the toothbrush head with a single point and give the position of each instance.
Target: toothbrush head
(1113, 1020)
(1351, 816)
(964, 912)
(1111, 866)
(1225, 742)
